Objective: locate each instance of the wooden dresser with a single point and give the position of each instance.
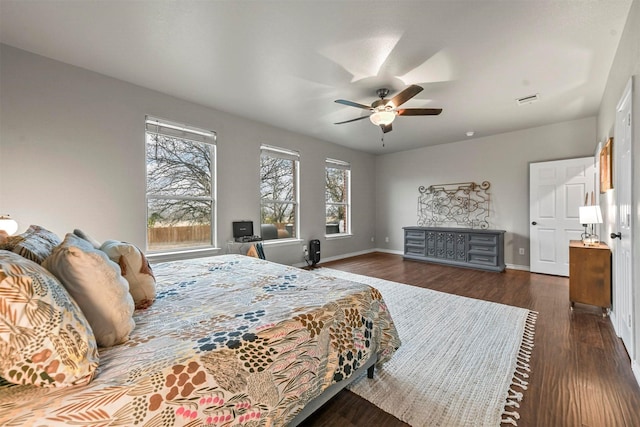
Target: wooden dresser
(590, 275)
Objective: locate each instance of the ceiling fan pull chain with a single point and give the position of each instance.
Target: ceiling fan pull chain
(382, 139)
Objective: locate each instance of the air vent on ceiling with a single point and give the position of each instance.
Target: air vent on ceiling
(528, 99)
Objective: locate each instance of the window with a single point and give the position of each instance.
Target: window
(338, 197)
(180, 186)
(278, 193)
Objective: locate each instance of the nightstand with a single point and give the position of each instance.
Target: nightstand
(590, 275)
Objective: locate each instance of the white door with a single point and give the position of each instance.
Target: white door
(621, 246)
(556, 190)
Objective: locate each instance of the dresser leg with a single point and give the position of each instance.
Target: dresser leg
(572, 304)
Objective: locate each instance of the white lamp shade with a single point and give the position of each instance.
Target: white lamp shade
(590, 215)
(382, 118)
(8, 224)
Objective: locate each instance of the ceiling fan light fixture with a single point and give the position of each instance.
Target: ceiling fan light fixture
(382, 118)
(383, 111)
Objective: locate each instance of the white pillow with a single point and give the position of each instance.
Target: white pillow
(95, 283)
(135, 268)
(86, 237)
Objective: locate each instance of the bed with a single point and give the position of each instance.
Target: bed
(229, 340)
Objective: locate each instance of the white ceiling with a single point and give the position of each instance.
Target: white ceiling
(285, 62)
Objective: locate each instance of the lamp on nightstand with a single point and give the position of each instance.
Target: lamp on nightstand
(589, 216)
(8, 225)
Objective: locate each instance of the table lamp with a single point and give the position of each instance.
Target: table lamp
(589, 216)
(8, 224)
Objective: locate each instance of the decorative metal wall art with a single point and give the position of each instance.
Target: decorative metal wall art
(463, 204)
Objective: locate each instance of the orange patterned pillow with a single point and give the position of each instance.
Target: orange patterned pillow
(47, 340)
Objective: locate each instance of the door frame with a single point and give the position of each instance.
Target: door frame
(617, 320)
(557, 253)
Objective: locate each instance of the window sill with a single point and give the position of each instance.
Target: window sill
(338, 236)
(281, 242)
(179, 255)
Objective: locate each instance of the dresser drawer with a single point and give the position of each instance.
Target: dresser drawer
(414, 250)
(483, 249)
(491, 239)
(414, 234)
(482, 259)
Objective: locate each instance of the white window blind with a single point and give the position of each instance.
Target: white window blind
(338, 164)
(177, 130)
(338, 197)
(282, 153)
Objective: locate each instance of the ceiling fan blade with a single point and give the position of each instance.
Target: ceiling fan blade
(405, 95)
(352, 120)
(386, 128)
(353, 104)
(419, 111)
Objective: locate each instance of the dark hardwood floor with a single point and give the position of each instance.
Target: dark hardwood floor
(580, 372)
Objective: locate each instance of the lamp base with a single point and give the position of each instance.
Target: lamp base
(591, 240)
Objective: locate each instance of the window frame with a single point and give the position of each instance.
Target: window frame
(286, 154)
(346, 166)
(171, 129)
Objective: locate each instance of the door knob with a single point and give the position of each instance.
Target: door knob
(618, 235)
(534, 223)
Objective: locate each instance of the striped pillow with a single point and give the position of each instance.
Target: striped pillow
(35, 244)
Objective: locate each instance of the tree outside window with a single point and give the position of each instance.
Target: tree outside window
(278, 193)
(338, 197)
(180, 186)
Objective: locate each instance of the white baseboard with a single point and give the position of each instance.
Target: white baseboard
(390, 251)
(337, 257)
(349, 255)
(613, 318)
(518, 267)
(636, 371)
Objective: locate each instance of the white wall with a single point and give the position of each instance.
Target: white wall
(503, 160)
(72, 156)
(625, 65)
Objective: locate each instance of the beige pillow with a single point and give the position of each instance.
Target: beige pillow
(96, 284)
(45, 340)
(135, 268)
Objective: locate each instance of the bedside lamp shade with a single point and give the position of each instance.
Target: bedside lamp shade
(8, 224)
(590, 215)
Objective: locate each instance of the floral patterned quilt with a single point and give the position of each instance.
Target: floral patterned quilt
(230, 340)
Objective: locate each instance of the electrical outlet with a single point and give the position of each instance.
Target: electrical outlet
(386, 239)
(304, 249)
(521, 251)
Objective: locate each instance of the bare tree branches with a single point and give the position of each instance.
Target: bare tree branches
(179, 181)
(277, 190)
(336, 196)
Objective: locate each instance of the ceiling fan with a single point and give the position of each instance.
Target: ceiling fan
(384, 111)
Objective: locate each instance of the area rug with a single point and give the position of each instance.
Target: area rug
(463, 361)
